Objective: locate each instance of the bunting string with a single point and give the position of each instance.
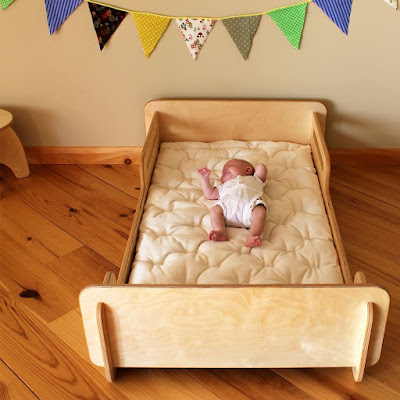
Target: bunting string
(183, 17)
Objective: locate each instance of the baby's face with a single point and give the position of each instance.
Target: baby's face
(234, 168)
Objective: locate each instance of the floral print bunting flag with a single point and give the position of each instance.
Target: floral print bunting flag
(106, 21)
(195, 31)
(393, 3)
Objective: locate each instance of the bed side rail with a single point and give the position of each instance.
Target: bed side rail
(323, 166)
(147, 163)
(235, 326)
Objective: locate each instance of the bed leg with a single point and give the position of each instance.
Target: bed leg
(359, 278)
(358, 371)
(110, 370)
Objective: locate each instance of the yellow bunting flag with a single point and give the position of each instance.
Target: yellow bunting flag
(150, 29)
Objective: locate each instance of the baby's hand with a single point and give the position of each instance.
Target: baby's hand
(204, 172)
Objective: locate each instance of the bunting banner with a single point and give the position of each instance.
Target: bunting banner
(242, 31)
(106, 21)
(195, 32)
(6, 3)
(290, 21)
(338, 11)
(150, 29)
(393, 3)
(58, 11)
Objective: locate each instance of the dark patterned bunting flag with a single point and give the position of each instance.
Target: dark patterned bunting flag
(338, 11)
(106, 21)
(58, 11)
(242, 31)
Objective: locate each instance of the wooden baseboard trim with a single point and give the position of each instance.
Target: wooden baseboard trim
(365, 157)
(131, 155)
(83, 155)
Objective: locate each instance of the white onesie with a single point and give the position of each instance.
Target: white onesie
(238, 197)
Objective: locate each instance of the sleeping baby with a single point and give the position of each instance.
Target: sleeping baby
(240, 200)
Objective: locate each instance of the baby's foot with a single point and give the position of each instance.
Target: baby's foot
(218, 236)
(253, 241)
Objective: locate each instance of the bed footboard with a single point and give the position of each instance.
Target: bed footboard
(235, 326)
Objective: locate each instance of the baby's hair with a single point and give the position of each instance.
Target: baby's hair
(249, 164)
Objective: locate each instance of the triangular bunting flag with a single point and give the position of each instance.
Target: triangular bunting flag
(242, 31)
(5, 3)
(58, 11)
(195, 31)
(106, 21)
(393, 3)
(290, 21)
(338, 11)
(150, 29)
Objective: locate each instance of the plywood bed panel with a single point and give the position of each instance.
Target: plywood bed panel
(172, 326)
(214, 120)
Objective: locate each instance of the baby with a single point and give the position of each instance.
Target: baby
(240, 202)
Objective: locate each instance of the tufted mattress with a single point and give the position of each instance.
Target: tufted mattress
(173, 245)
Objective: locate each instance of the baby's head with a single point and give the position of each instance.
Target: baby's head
(236, 167)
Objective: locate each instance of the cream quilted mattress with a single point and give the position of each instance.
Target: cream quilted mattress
(173, 245)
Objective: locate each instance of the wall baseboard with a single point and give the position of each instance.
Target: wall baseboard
(365, 157)
(131, 155)
(83, 155)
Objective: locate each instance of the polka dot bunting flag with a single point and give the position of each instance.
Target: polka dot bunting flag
(242, 31)
(5, 3)
(290, 21)
(150, 29)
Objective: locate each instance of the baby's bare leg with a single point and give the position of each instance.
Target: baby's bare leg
(258, 217)
(219, 232)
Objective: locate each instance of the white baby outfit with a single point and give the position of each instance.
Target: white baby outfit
(238, 197)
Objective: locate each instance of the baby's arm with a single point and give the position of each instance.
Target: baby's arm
(261, 172)
(211, 193)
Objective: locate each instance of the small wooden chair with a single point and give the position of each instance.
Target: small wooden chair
(12, 153)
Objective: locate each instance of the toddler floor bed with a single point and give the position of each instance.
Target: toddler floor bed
(183, 301)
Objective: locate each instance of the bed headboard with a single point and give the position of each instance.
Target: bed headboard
(213, 120)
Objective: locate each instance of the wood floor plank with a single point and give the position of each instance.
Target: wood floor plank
(92, 190)
(370, 180)
(217, 385)
(260, 384)
(82, 267)
(33, 232)
(165, 384)
(11, 387)
(337, 384)
(124, 177)
(94, 223)
(32, 283)
(43, 361)
(363, 221)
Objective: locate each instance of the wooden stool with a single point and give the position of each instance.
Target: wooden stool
(12, 153)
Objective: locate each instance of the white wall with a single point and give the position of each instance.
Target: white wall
(64, 92)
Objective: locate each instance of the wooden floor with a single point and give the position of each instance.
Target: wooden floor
(66, 225)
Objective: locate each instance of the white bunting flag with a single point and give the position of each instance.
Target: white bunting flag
(195, 32)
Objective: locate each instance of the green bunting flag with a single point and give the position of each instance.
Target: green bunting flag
(5, 3)
(290, 21)
(242, 31)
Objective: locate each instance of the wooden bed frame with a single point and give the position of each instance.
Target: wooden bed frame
(243, 326)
